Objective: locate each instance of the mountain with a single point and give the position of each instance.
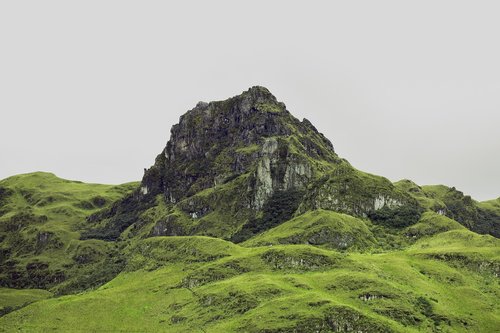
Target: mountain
(237, 167)
(247, 221)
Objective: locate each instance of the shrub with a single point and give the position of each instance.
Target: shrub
(398, 217)
(278, 209)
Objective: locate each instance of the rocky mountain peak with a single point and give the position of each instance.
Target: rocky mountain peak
(221, 140)
(255, 98)
(226, 163)
(236, 167)
(256, 95)
(242, 119)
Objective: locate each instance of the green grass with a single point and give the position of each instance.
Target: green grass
(320, 227)
(12, 299)
(202, 284)
(426, 196)
(250, 149)
(432, 223)
(491, 205)
(41, 217)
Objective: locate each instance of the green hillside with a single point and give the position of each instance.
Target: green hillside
(41, 218)
(481, 217)
(491, 205)
(446, 282)
(321, 228)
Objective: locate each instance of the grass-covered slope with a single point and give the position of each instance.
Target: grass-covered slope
(446, 282)
(13, 299)
(491, 205)
(322, 228)
(481, 217)
(41, 217)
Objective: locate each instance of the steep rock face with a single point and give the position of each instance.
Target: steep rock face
(218, 141)
(278, 170)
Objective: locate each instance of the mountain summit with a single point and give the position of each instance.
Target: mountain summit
(219, 141)
(236, 167)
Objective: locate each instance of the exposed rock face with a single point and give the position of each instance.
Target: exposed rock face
(219, 140)
(278, 172)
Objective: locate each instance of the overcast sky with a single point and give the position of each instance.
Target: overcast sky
(404, 89)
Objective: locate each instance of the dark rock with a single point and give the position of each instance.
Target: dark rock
(203, 146)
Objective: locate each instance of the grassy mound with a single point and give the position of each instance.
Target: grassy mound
(431, 224)
(13, 299)
(480, 217)
(491, 205)
(189, 284)
(322, 228)
(40, 219)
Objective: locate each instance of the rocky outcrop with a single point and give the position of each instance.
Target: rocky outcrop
(217, 141)
(278, 170)
(250, 140)
(353, 192)
(227, 160)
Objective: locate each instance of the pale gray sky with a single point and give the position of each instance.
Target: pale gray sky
(405, 89)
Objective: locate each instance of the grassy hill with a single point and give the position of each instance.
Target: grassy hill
(491, 205)
(322, 228)
(446, 282)
(41, 218)
(481, 217)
